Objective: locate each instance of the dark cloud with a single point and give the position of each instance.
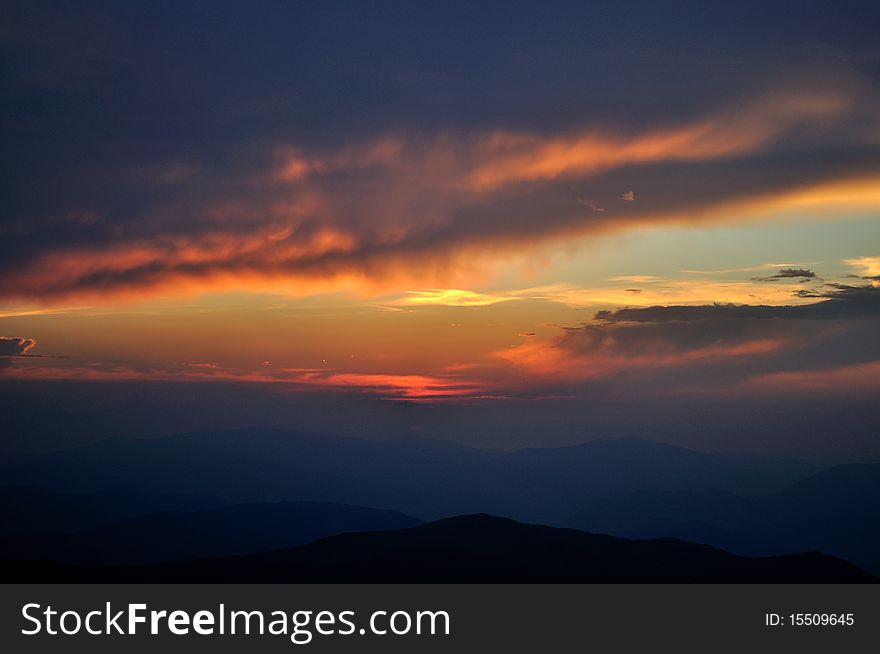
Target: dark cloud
(838, 301)
(788, 273)
(692, 313)
(375, 221)
(410, 151)
(11, 346)
(719, 345)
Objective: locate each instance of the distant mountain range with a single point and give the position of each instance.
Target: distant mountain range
(836, 511)
(245, 492)
(423, 479)
(475, 549)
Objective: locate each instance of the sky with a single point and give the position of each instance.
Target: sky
(504, 224)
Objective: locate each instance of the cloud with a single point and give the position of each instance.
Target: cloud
(713, 345)
(422, 388)
(14, 346)
(187, 170)
(727, 271)
(592, 204)
(839, 301)
(665, 291)
(652, 291)
(788, 273)
(868, 267)
(11, 346)
(634, 278)
(413, 388)
(451, 297)
(506, 158)
(629, 196)
(408, 209)
(634, 350)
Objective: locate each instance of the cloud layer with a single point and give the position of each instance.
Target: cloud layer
(705, 347)
(252, 175)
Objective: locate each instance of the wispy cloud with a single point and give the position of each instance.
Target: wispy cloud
(451, 297)
(866, 266)
(788, 273)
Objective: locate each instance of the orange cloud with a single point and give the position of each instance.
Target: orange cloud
(406, 387)
(550, 360)
(404, 212)
(511, 158)
(411, 387)
(15, 346)
(504, 157)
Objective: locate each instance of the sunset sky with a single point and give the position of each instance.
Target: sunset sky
(488, 214)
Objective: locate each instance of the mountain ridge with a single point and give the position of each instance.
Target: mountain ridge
(476, 548)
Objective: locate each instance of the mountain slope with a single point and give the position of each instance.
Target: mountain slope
(474, 549)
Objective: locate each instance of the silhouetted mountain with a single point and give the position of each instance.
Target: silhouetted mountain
(477, 549)
(182, 535)
(836, 511)
(543, 485)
